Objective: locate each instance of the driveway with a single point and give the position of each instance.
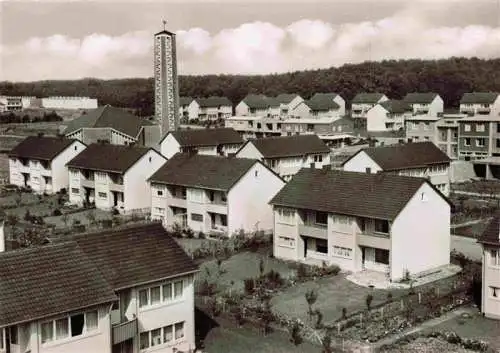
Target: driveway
(468, 246)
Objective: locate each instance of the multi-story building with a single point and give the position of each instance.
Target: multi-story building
(214, 194)
(480, 103)
(419, 159)
(320, 105)
(447, 133)
(422, 128)
(39, 162)
(287, 102)
(288, 154)
(428, 103)
(258, 105)
(203, 109)
(113, 176)
(93, 301)
(69, 103)
(490, 241)
(362, 221)
(113, 125)
(479, 137)
(16, 103)
(186, 111)
(219, 141)
(363, 102)
(388, 116)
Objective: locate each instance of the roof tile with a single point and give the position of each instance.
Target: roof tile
(287, 146)
(43, 148)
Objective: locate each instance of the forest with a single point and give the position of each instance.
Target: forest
(449, 77)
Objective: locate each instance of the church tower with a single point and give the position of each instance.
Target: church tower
(166, 81)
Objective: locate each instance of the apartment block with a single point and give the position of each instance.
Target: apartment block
(363, 102)
(213, 194)
(427, 103)
(388, 115)
(480, 103)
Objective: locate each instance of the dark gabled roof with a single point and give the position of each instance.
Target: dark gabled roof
(185, 101)
(491, 234)
(43, 148)
(135, 255)
(395, 106)
(165, 32)
(402, 156)
(369, 98)
(380, 196)
(479, 98)
(206, 137)
(108, 117)
(285, 98)
(48, 280)
(203, 171)
(214, 102)
(260, 101)
(322, 101)
(288, 146)
(420, 98)
(108, 158)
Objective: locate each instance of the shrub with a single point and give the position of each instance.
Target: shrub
(206, 289)
(311, 297)
(76, 222)
(301, 272)
(319, 319)
(389, 297)
(189, 233)
(344, 313)
(176, 231)
(27, 216)
(274, 279)
(201, 235)
(368, 300)
(239, 314)
(56, 212)
(63, 191)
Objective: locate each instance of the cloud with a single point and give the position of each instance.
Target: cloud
(253, 48)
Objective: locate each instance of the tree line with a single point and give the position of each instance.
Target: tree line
(451, 78)
(9, 118)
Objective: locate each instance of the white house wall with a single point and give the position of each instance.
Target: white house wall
(169, 146)
(341, 102)
(490, 305)
(422, 227)
(193, 110)
(301, 110)
(136, 188)
(249, 151)
(248, 199)
(242, 109)
(360, 162)
(376, 118)
(60, 176)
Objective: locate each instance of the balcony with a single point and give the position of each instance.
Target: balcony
(124, 331)
(314, 230)
(116, 187)
(218, 229)
(87, 182)
(483, 110)
(374, 240)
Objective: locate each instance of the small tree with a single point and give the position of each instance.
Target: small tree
(32, 237)
(261, 267)
(295, 333)
(389, 297)
(368, 300)
(319, 319)
(311, 297)
(13, 221)
(27, 216)
(266, 317)
(344, 313)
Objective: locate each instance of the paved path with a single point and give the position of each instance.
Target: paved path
(469, 223)
(426, 325)
(478, 194)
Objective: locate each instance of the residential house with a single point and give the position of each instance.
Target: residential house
(422, 128)
(490, 241)
(113, 125)
(214, 194)
(362, 221)
(479, 137)
(258, 105)
(388, 116)
(320, 105)
(187, 108)
(39, 162)
(3, 107)
(288, 154)
(113, 176)
(287, 102)
(72, 103)
(254, 126)
(214, 108)
(419, 159)
(93, 301)
(480, 103)
(428, 103)
(218, 141)
(363, 102)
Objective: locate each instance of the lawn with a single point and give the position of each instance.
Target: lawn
(191, 244)
(476, 327)
(80, 216)
(226, 338)
(239, 267)
(334, 293)
(50, 128)
(471, 230)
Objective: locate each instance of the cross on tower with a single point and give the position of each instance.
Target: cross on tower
(164, 25)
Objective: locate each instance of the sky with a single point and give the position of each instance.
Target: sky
(42, 40)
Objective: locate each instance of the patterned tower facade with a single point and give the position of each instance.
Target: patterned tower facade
(166, 82)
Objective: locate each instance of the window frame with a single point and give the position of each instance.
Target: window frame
(494, 259)
(385, 224)
(86, 330)
(286, 219)
(100, 193)
(164, 299)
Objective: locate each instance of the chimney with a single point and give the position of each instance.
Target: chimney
(2, 237)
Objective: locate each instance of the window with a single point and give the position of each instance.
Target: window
(382, 256)
(223, 196)
(47, 331)
(102, 195)
(168, 333)
(196, 217)
(286, 216)
(495, 292)
(480, 127)
(381, 226)
(156, 337)
(161, 294)
(144, 340)
(77, 322)
(195, 195)
(159, 192)
(75, 190)
(368, 170)
(467, 127)
(318, 158)
(467, 141)
(178, 288)
(2, 335)
(480, 142)
(13, 335)
(494, 258)
(155, 295)
(322, 246)
(362, 224)
(286, 241)
(342, 252)
(62, 330)
(427, 126)
(143, 298)
(211, 196)
(321, 218)
(179, 330)
(167, 292)
(91, 320)
(423, 197)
